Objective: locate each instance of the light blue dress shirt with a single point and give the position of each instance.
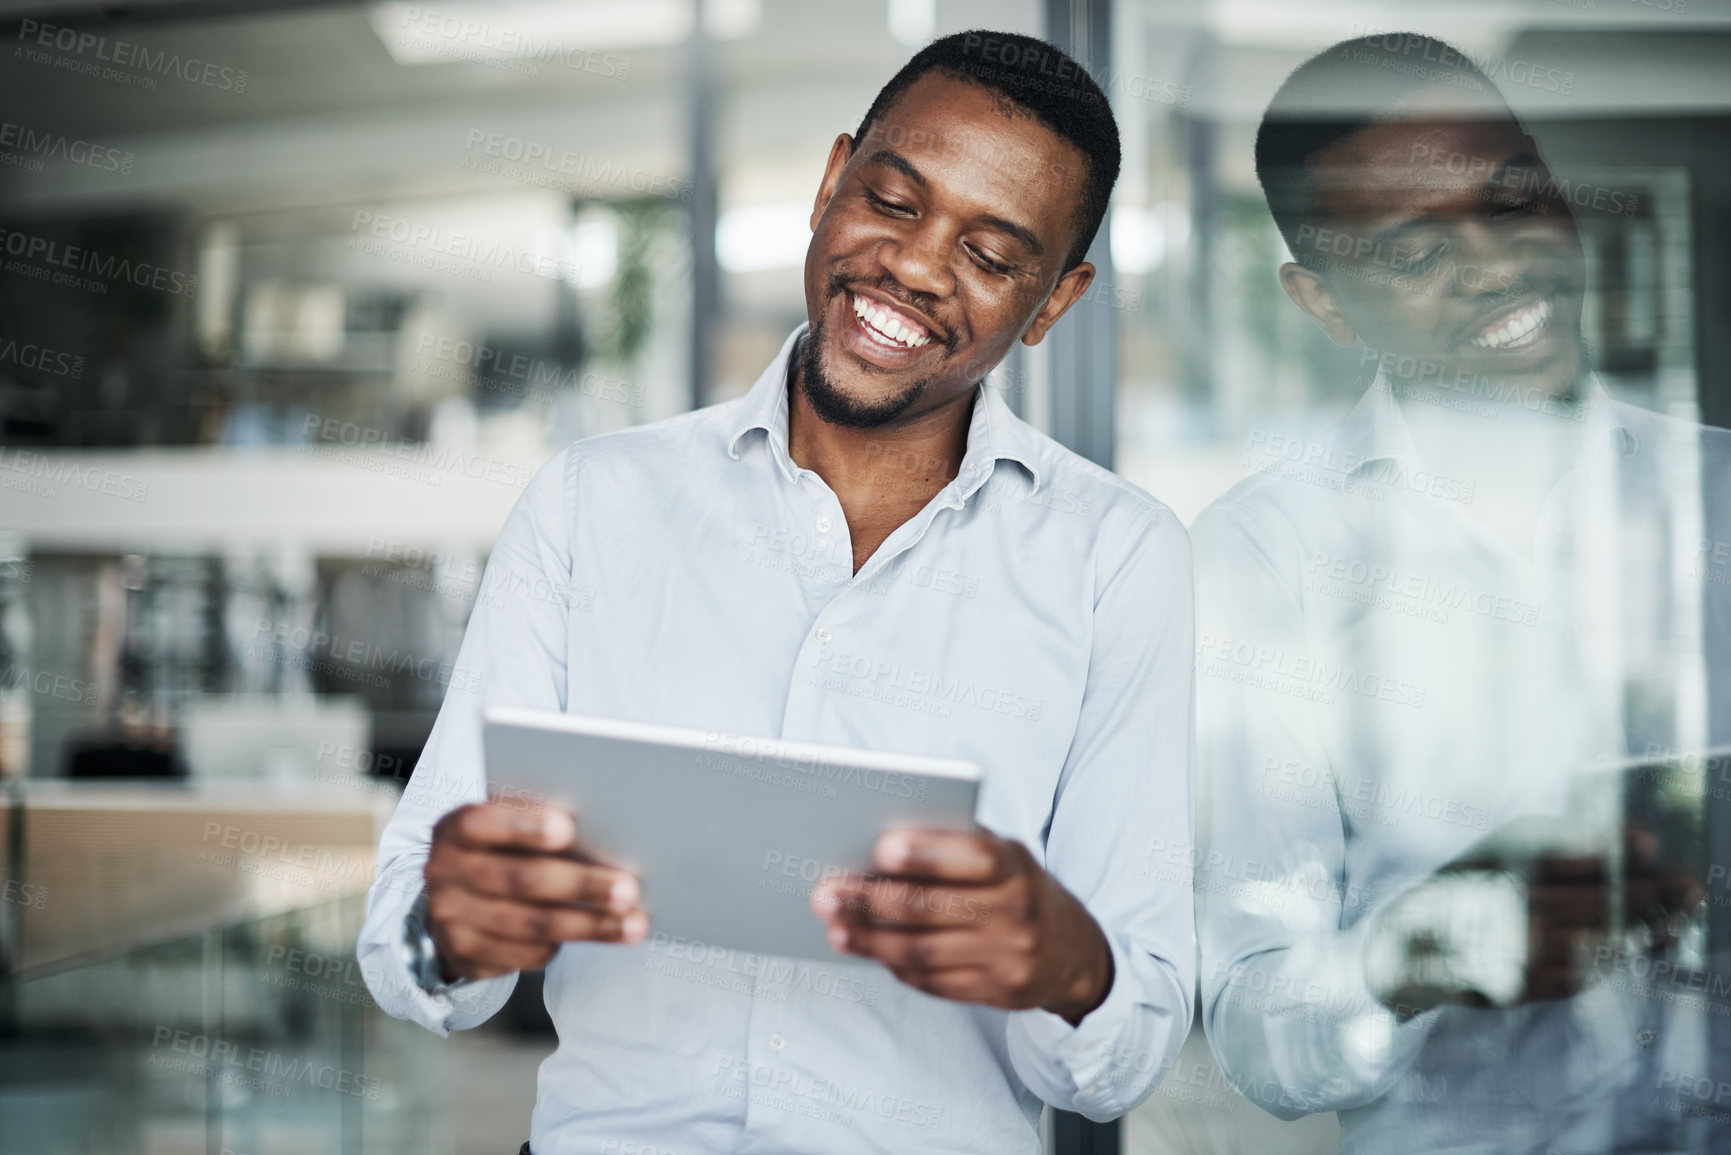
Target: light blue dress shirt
(1035, 617)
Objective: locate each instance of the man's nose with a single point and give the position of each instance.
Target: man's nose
(1491, 261)
(919, 261)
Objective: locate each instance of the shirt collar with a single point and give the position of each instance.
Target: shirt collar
(1377, 430)
(764, 405)
(994, 433)
(1608, 424)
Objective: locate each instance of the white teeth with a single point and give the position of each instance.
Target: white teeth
(1516, 330)
(887, 324)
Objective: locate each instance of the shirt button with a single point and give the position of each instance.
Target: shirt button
(823, 634)
(776, 1042)
(823, 525)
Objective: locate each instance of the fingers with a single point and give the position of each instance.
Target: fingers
(1568, 900)
(1553, 962)
(965, 984)
(911, 862)
(496, 826)
(478, 936)
(1552, 981)
(952, 964)
(1565, 917)
(922, 950)
(1570, 870)
(473, 954)
(1683, 891)
(531, 923)
(539, 878)
(1573, 906)
(504, 891)
(859, 901)
(980, 857)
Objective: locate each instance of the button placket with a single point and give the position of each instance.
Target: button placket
(764, 1045)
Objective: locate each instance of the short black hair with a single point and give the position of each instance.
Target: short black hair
(1037, 78)
(1344, 88)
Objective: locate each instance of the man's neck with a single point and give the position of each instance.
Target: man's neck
(1513, 447)
(882, 476)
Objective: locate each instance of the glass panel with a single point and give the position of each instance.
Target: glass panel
(257, 1037)
(1461, 640)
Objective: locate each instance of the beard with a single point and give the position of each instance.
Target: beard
(836, 407)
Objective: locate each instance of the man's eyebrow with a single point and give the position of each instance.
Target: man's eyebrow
(1018, 233)
(900, 163)
(1527, 160)
(1021, 234)
(1399, 229)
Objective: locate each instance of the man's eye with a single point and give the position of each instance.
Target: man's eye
(887, 206)
(997, 268)
(1420, 260)
(1523, 207)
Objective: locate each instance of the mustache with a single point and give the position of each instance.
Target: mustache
(1534, 284)
(913, 301)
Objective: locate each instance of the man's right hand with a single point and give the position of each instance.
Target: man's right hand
(507, 887)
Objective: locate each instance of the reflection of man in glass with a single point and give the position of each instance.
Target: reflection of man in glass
(1419, 631)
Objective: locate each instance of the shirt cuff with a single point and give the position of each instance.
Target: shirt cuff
(387, 974)
(396, 990)
(1084, 1051)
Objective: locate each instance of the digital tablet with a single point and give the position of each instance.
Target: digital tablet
(730, 834)
(1632, 834)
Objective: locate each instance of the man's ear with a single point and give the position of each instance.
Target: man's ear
(1311, 292)
(839, 154)
(1065, 293)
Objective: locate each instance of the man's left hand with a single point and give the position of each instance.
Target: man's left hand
(971, 917)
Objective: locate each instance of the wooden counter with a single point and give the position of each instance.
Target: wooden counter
(106, 866)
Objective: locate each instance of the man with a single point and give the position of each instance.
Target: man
(1419, 632)
(866, 550)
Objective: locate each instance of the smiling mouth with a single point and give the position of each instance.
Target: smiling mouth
(1516, 330)
(891, 328)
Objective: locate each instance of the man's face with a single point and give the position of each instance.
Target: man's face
(1458, 248)
(938, 241)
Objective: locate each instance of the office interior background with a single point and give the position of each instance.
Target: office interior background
(398, 255)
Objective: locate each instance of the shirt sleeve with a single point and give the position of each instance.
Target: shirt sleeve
(513, 653)
(1281, 922)
(1126, 786)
